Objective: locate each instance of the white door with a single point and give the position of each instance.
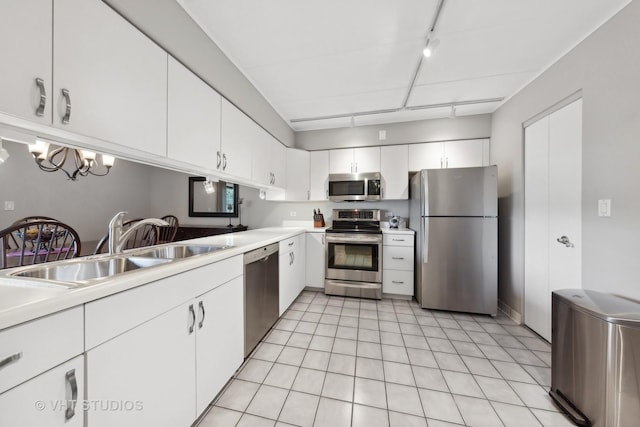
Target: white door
(394, 168)
(318, 175)
(193, 131)
(553, 176)
(43, 400)
(341, 161)
(151, 364)
(25, 50)
(315, 260)
(115, 75)
(297, 174)
(287, 285)
(426, 156)
(238, 135)
(219, 339)
(366, 159)
(465, 153)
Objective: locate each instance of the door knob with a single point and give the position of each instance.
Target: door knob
(565, 241)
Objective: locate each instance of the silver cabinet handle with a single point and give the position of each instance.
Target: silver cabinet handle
(291, 243)
(70, 376)
(397, 257)
(43, 97)
(192, 312)
(219, 160)
(10, 359)
(397, 282)
(327, 196)
(290, 258)
(398, 240)
(323, 240)
(565, 241)
(201, 306)
(224, 162)
(67, 112)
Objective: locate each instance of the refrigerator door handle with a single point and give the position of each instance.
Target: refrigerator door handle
(425, 193)
(425, 240)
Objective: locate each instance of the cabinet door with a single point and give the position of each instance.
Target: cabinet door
(315, 260)
(394, 168)
(115, 75)
(287, 289)
(318, 175)
(260, 154)
(151, 365)
(341, 161)
(43, 401)
(466, 154)
(299, 264)
(366, 159)
(297, 175)
(278, 160)
(426, 156)
(193, 129)
(219, 339)
(239, 134)
(25, 49)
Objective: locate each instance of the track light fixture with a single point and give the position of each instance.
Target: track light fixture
(431, 45)
(54, 160)
(209, 186)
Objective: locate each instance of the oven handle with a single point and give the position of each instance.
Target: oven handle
(353, 238)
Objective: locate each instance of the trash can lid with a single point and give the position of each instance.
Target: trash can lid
(611, 308)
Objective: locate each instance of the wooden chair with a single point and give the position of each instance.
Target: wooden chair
(168, 233)
(146, 235)
(33, 218)
(37, 241)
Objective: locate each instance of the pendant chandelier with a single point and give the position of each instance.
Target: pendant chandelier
(81, 162)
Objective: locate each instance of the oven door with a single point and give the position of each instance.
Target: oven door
(354, 257)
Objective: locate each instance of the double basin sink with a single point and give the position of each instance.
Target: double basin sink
(95, 269)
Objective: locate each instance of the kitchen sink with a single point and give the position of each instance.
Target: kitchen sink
(83, 272)
(177, 251)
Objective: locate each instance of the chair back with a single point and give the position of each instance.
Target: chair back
(33, 218)
(37, 241)
(146, 235)
(168, 232)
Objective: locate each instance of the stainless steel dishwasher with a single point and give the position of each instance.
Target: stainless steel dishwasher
(261, 296)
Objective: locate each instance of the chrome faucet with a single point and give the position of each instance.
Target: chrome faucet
(117, 237)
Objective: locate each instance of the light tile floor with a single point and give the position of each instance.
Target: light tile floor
(333, 361)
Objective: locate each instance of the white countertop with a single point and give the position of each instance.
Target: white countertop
(386, 230)
(23, 299)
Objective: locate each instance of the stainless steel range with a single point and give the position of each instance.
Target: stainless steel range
(354, 254)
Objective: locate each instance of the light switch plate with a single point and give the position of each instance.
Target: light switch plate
(604, 207)
(382, 135)
(9, 205)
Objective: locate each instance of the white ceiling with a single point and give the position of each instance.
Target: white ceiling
(312, 58)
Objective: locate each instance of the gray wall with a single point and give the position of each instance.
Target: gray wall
(464, 127)
(87, 204)
(606, 67)
(172, 28)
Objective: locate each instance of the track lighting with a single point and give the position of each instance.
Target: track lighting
(432, 44)
(54, 160)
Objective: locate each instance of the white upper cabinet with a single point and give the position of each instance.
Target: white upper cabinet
(449, 154)
(318, 175)
(278, 162)
(25, 50)
(297, 174)
(238, 138)
(394, 168)
(352, 160)
(110, 79)
(194, 118)
(268, 159)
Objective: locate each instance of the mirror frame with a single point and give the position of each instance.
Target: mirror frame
(197, 180)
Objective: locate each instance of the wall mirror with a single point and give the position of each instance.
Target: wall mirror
(223, 202)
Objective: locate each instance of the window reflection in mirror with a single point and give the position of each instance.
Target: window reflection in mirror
(223, 202)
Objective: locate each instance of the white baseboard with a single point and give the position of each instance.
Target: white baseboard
(510, 312)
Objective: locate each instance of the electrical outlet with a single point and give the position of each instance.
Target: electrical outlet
(604, 207)
(293, 213)
(9, 205)
(382, 135)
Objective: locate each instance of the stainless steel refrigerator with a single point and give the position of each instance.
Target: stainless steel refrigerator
(455, 214)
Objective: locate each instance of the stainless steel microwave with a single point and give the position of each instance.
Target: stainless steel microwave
(355, 186)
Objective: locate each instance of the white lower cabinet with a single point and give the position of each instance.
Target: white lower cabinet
(151, 366)
(397, 263)
(315, 256)
(219, 339)
(291, 266)
(51, 399)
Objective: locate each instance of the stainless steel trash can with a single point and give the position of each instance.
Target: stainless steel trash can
(595, 352)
